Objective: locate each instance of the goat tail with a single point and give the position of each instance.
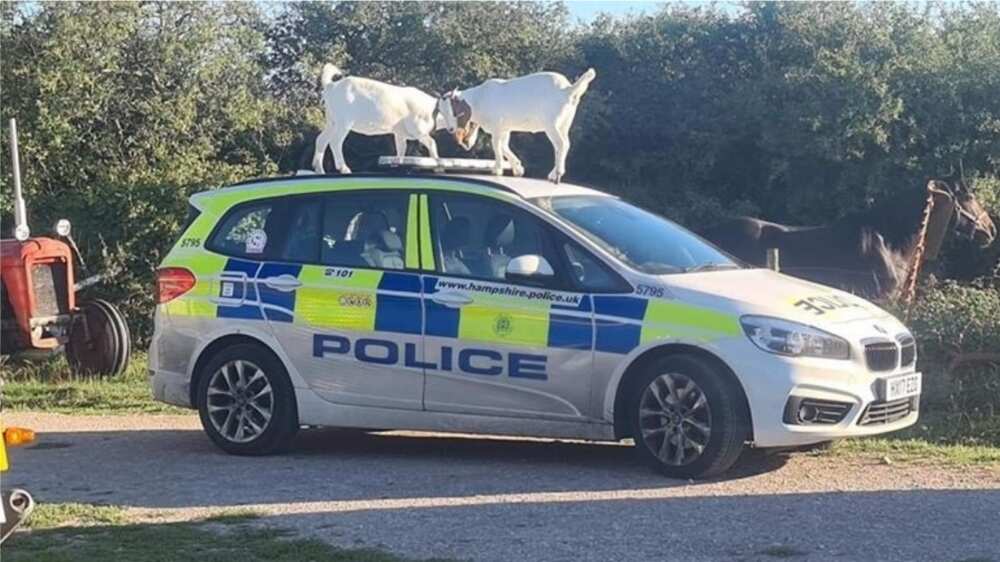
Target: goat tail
(579, 87)
(329, 73)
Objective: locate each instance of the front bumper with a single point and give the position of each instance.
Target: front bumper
(772, 381)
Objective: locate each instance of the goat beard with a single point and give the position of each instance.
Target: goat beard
(466, 135)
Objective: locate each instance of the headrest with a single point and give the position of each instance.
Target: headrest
(365, 223)
(388, 241)
(456, 233)
(499, 231)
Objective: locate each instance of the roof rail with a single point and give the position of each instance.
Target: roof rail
(391, 173)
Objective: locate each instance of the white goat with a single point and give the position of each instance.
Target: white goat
(541, 102)
(371, 107)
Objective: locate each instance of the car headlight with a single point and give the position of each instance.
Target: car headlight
(774, 335)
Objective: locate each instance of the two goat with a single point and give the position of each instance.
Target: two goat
(542, 102)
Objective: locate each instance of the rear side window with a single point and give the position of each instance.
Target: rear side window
(247, 231)
(364, 229)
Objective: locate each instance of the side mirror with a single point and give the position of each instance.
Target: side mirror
(529, 269)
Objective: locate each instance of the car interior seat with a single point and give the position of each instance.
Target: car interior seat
(497, 237)
(453, 239)
(384, 250)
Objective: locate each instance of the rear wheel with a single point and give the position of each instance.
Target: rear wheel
(688, 419)
(99, 340)
(246, 401)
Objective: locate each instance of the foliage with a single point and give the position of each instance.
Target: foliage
(950, 319)
(797, 112)
(953, 321)
(125, 109)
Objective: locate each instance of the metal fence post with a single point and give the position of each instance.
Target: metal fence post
(773, 259)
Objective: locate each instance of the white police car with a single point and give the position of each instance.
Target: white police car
(511, 306)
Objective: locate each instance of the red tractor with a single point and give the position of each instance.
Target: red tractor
(40, 313)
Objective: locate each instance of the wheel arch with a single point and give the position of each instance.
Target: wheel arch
(207, 352)
(621, 421)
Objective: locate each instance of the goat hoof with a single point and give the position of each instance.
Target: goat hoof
(344, 170)
(554, 177)
(519, 171)
(497, 171)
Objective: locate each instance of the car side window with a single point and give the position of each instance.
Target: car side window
(478, 236)
(246, 231)
(364, 229)
(589, 273)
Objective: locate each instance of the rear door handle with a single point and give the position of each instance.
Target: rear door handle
(285, 283)
(453, 300)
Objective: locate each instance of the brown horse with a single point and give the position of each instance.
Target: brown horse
(867, 254)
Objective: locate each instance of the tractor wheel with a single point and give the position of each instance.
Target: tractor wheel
(99, 341)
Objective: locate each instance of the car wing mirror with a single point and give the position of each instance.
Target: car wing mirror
(529, 269)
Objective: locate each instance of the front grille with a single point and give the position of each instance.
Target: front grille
(881, 356)
(810, 411)
(48, 281)
(907, 351)
(880, 413)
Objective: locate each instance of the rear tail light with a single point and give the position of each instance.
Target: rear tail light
(172, 282)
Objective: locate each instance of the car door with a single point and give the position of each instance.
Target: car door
(495, 346)
(349, 275)
(246, 238)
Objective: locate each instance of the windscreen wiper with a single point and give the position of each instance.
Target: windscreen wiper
(709, 266)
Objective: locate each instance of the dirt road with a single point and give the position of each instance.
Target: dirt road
(424, 495)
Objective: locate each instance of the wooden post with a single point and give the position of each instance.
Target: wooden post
(773, 259)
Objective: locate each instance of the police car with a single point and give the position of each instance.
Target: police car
(457, 302)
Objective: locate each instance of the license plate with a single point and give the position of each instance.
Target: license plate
(903, 386)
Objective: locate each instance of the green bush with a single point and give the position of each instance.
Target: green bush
(958, 332)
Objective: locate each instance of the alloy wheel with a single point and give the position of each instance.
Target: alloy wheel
(240, 401)
(675, 419)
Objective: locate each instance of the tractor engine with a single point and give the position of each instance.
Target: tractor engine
(37, 291)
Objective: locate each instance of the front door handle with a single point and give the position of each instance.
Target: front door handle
(285, 283)
(451, 299)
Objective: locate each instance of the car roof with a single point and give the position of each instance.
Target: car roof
(306, 182)
(530, 188)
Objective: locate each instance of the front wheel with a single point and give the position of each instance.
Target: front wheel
(246, 401)
(688, 419)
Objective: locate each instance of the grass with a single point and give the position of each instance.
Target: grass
(104, 534)
(937, 438)
(48, 386)
(48, 516)
(917, 451)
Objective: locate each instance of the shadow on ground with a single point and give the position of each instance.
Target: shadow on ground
(166, 469)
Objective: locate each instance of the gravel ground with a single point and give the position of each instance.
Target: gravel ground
(495, 499)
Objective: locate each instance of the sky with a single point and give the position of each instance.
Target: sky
(587, 10)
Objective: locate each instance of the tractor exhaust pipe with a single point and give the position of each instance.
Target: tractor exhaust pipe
(21, 230)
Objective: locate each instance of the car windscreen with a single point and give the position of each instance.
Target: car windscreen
(643, 240)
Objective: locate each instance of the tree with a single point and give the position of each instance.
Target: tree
(125, 109)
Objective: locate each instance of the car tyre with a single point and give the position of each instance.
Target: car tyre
(688, 419)
(100, 343)
(246, 401)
